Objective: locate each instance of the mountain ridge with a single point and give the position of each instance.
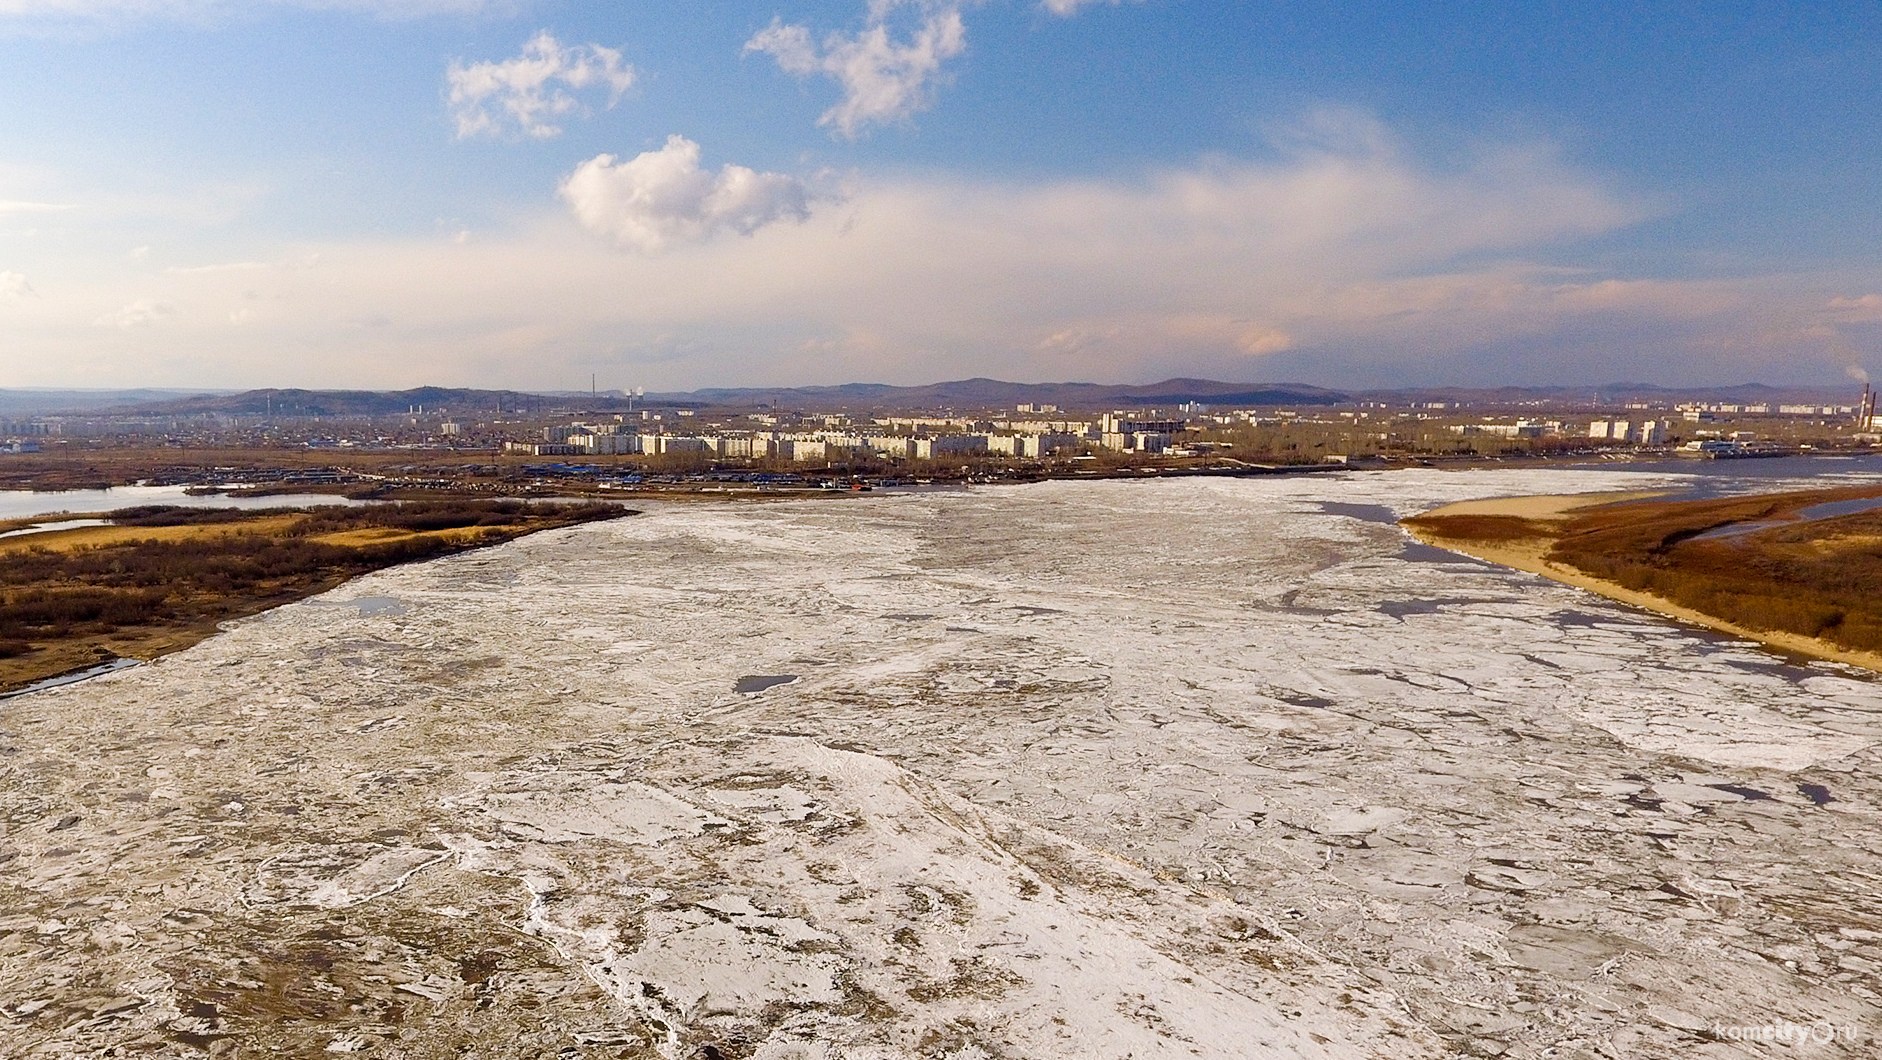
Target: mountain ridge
(977, 395)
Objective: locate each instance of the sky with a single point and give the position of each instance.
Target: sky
(537, 193)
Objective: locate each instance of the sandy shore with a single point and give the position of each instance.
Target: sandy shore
(1529, 554)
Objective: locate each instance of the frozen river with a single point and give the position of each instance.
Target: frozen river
(1214, 768)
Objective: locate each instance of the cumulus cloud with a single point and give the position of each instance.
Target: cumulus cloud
(13, 286)
(883, 80)
(660, 198)
(139, 314)
(526, 94)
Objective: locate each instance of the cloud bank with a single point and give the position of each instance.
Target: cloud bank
(661, 198)
(1346, 261)
(525, 94)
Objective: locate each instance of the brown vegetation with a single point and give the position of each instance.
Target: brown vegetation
(1477, 527)
(1821, 578)
(63, 607)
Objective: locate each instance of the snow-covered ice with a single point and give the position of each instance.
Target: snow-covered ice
(1113, 769)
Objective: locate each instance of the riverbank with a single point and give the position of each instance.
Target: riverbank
(1527, 533)
(419, 473)
(157, 580)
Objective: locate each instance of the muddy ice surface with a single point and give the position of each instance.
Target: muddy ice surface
(1160, 769)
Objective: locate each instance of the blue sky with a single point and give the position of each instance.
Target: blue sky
(517, 193)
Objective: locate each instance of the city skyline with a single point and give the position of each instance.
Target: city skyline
(389, 193)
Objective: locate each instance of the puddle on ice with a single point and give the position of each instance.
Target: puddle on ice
(752, 684)
(1370, 513)
(370, 606)
(1816, 793)
(1419, 552)
(1401, 608)
(1569, 618)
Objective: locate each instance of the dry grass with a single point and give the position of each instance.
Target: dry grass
(1820, 579)
(386, 535)
(105, 536)
(69, 599)
(1477, 527)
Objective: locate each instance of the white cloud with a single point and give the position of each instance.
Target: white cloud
(883, 81)
(1343, 259)
(227, 266)
(8, 206)
(660, 198)
(529, 92)
(1862, 309)
(139, 314)
(13, 286)
(1067, 8)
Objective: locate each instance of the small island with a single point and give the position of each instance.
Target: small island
(1798, 571)
(134, 584)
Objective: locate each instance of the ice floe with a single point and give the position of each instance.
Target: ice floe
(1187, 768)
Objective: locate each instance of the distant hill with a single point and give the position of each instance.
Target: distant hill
(964, 395)
(345, 403)
(1617, 394)
(967, 394)
(992, 393)
(31, 400)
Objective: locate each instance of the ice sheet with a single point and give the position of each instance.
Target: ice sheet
(1184, 768)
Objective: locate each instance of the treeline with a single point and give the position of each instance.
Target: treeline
(173, 515)
(452, 515)
(1821, 578)
(48, 594)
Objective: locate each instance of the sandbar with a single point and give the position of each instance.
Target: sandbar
(1530, 554)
